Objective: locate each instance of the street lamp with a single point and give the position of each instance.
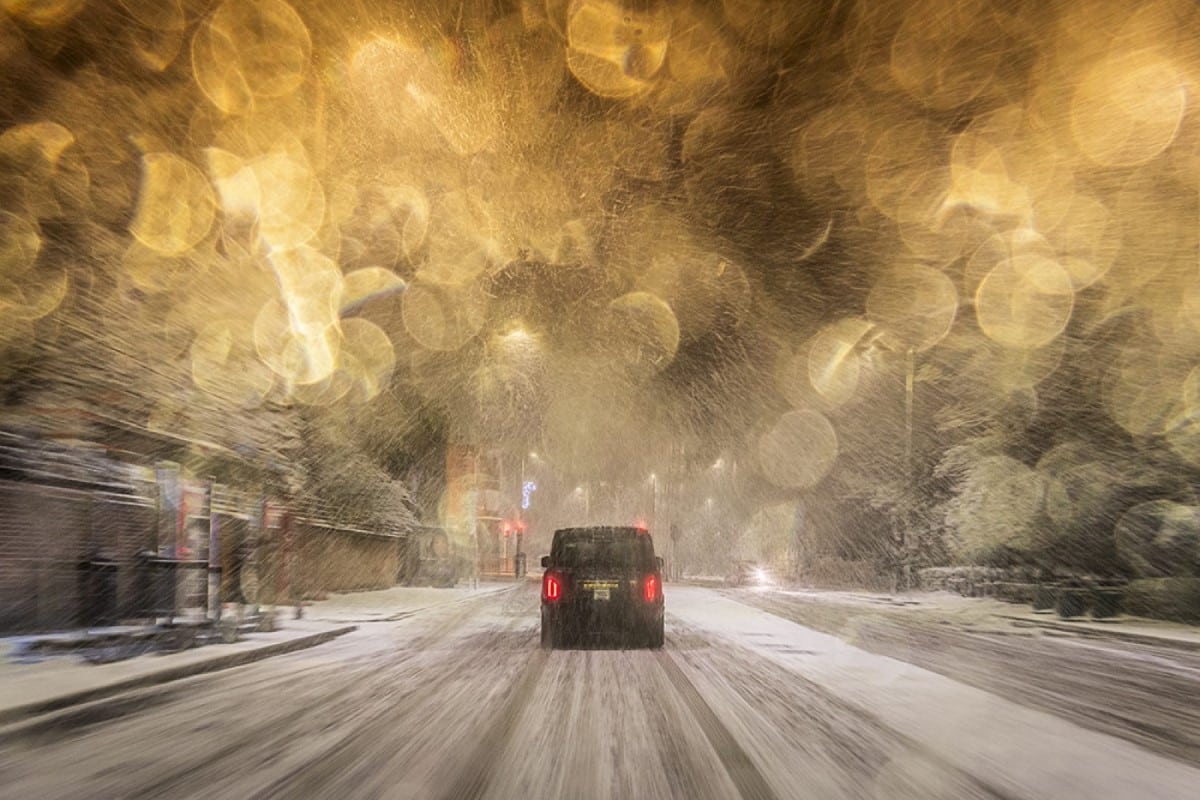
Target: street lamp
(868, 347)
(528, 487)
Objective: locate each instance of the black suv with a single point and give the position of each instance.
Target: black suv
(602, 580)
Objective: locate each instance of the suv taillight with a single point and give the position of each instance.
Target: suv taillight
(552, 587)
(652, 588)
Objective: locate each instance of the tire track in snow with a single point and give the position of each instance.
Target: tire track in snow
(750, 783)
(474, 779)
(350, 692)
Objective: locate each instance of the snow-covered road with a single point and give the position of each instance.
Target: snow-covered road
(458, 700)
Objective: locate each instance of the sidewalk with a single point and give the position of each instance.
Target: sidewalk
(1124, 627)
(1014, 749)
(397, 602)
(29, 688)
(943, 607)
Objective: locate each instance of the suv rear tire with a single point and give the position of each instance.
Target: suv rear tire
(654, 637)
(549, 640)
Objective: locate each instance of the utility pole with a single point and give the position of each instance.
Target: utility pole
(907, 544)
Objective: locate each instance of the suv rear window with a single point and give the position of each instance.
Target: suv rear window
(607, 547)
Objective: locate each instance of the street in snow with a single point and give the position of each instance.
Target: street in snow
(454, 698)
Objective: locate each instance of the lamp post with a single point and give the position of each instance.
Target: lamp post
(907, 544)
(903, 540)
(528, 487)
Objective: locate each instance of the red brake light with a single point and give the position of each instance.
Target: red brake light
(551, 586)
(651, 589)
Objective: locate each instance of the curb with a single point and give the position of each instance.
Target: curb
(26, 712)
(1097, 633)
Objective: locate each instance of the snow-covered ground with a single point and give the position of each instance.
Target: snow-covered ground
(385, 604)
(1022, 751)
(456, 699)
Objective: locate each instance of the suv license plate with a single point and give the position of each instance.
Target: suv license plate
(600, 594)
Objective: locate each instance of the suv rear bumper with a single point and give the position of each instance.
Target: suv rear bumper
(600, 617)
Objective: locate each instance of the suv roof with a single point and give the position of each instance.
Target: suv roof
(602, 530)
(603, 544)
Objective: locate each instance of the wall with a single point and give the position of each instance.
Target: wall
(319, 557)
(62, 504)
(330, 559)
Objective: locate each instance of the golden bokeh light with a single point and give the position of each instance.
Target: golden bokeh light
(158, 37)
(1086, 238)
(529, 64)
(799, 450)
(367, 356)
(981, 178)
(698, 64)
(159, 15)
(299, 354)
(235, 181)
(1016, 369)
(900, 158)
(298, 335)
(1128, 108)
(945, 55)
(834, 359)
(1025, 301)
(363, 285)
(20, 243)
(291, 200)
(176, 205)
(462, 239)
(999, 247)
(1146, 389)
(43, 13)
(250, 49)
(914, 306)
(40, 172)
(37, 299)
(643, 332)
(153, 271)
(442, 317)
(615, 50)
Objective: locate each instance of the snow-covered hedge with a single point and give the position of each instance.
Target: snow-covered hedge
(1176, 599)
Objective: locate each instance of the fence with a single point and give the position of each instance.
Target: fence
(48, 538)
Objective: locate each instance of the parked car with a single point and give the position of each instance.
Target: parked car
(602, 581)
